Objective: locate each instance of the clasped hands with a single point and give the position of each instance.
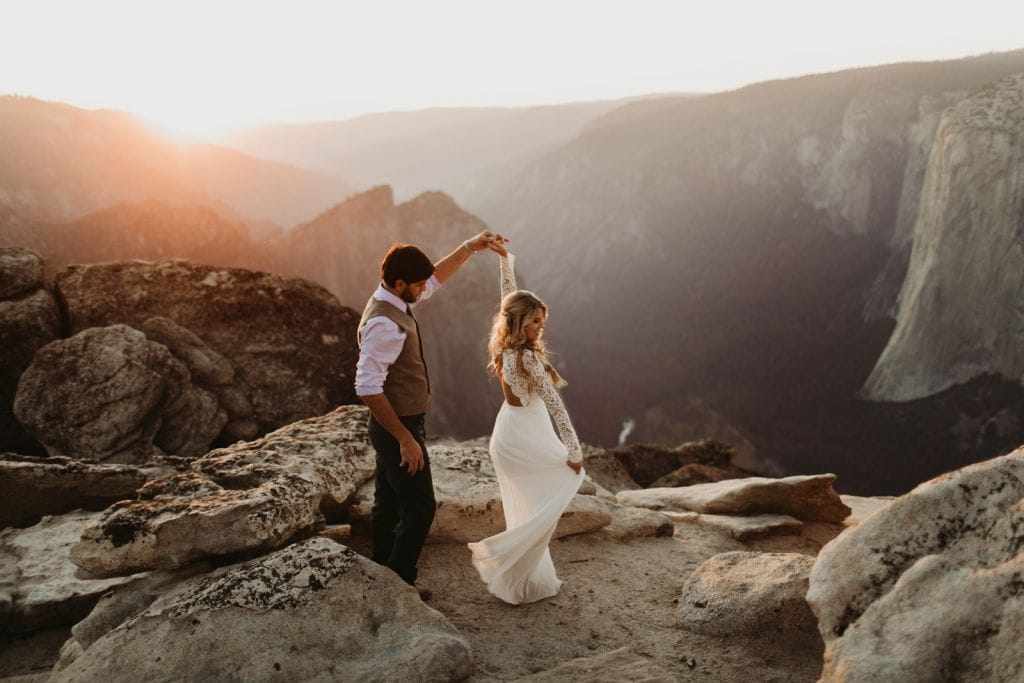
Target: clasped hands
(489, 240)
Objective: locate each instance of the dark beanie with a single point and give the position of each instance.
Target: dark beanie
(405, 262)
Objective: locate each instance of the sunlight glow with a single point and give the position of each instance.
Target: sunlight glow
(206, 68)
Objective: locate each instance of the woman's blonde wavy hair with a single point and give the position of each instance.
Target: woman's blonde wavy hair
(508, 332)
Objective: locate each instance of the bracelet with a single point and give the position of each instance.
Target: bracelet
(465, 243)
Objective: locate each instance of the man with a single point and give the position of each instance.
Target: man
(392, 380)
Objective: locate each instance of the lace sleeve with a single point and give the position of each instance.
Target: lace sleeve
(508, 275)
(514, 377)
(556, 408)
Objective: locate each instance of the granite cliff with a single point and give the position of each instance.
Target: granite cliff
(961, 309)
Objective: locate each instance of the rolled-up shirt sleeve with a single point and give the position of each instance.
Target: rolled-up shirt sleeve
(433, 284)
(379, 345)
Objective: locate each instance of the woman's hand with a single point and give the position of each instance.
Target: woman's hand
(498, 245)
(574, 466)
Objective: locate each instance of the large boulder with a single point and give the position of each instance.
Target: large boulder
(126, 600)
(806, 497)
(629, 523)
(206, 366)
(29, 319)
(469, 504)
(291, 344)
(747, 594)
(108, 393)
(209, 370)
(250, 496)
(22, 271)
(38, 583)
(33, 486)
(315, 610)
(930, 587)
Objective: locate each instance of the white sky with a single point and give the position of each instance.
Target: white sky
(205, 67)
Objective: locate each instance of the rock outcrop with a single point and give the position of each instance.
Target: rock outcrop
(606, 470)
(22, 271)
(129, 598)
(289, 341)
(806, 497)
(694, 462)
(246, 497)
(38, 584)
(108, 393)
(748, 593)
(210, 371)
(696, 473)
(32, 486)
(29, 319)
(631, 522)
(960, 312)
(931, 587)
(742, 527)
(315, 609)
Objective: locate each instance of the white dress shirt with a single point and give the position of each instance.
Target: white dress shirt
(381, 341)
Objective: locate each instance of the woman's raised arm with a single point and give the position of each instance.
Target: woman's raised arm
(508, 275)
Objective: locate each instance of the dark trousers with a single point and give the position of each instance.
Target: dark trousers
(403, 504)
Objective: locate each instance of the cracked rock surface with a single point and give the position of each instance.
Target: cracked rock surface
(930, 587)
(315, 610)
(38, 583)
(33, 486)
(252, 495)
(806, 497)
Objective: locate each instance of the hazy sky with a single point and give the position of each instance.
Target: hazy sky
(207, 66)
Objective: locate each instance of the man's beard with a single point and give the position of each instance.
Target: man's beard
(408, 298)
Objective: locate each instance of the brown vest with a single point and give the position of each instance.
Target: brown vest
(407, 385)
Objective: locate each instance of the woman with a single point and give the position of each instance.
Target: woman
(538, 474)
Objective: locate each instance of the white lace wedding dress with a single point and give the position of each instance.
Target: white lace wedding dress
(536, 483)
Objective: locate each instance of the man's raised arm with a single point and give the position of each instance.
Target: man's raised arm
(451, 263)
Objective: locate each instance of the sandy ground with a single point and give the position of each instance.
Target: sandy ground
(616, 594)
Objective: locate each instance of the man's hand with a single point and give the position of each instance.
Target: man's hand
(485, 240)
(412, 455)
